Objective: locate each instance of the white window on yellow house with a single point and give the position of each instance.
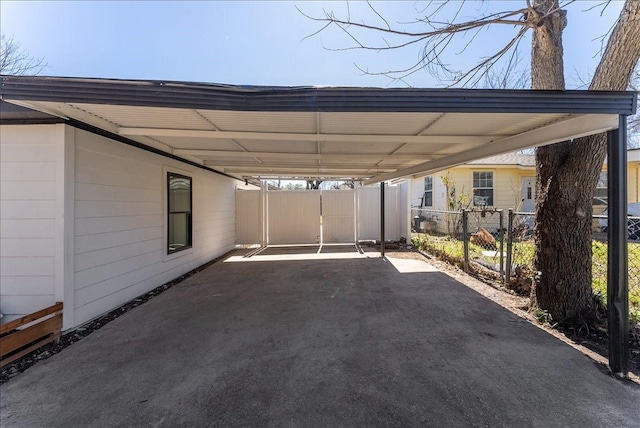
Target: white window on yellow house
(482, 188)
(600, 195)
(428, 192)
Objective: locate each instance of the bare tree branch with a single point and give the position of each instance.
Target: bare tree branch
(436, 40)
(14, 60)
(376, 12)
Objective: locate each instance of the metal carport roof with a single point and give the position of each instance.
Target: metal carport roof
(369, 134)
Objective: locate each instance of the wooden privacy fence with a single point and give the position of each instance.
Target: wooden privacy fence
(42, 327)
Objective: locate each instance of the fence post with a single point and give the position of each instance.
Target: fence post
(465, 238)
(502, 245)
(507, 275)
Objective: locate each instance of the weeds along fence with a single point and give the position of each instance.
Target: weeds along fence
(500, 245)
(472, 239)
(521, 247)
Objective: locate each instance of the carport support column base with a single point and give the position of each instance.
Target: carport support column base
(617, 273)
(382, 219)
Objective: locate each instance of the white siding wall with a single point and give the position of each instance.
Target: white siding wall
(120, 223)
(31, 216)
(439, 192)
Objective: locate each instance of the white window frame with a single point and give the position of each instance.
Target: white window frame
(600, 186)
(428, 188)
(483, 180)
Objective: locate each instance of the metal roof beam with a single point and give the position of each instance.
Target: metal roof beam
(281, 136)
(302, 156)
(311, 170)
(556, 132)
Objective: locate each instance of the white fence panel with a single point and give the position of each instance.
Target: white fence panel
(369, 213)
(404, 210)
(248, 217)
(338, 216)
(293, 217)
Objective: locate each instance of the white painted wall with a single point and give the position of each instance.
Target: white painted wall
(32, 182)
(120, 223)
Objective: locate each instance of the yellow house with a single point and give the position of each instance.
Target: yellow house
(505, 181)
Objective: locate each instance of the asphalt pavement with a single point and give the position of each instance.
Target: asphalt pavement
(297, 338)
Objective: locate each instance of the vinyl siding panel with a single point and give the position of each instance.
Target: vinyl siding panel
(248, 217)
(294, 217)
(26, 285)
(416, 190)
(27, 247)
(634, 183)
(95, 225)
(14, 306)
(30, 159)
(368, 206)
(27, 228)
(338, 216)
(120, 235)
(506, 184)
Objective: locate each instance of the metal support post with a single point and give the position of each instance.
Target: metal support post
(264, 210)
(617, 273)
(501, 234)
(507, 274)
(382, 219)
(465, 238)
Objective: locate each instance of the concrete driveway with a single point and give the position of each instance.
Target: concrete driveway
(339, 340)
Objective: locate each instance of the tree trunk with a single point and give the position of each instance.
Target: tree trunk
(567, 173)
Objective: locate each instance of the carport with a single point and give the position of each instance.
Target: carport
(368, 134)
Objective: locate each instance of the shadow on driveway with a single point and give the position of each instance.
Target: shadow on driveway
(344, 340)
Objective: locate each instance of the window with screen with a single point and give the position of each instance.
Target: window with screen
(428, 192)
(600, 195)
(483, 188)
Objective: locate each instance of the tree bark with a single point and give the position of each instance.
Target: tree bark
(567, 173)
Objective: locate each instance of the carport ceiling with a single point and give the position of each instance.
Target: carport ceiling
(369, 134)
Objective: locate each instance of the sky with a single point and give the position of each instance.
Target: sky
(259, 43)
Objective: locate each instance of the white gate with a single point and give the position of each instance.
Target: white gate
(338, 217)
(298, 217)
(369, 213)
(248, 217)
(293, 217)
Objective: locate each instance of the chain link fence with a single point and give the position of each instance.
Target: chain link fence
(440, 233)
(443, 234)
(501, 246)
(521, 247)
